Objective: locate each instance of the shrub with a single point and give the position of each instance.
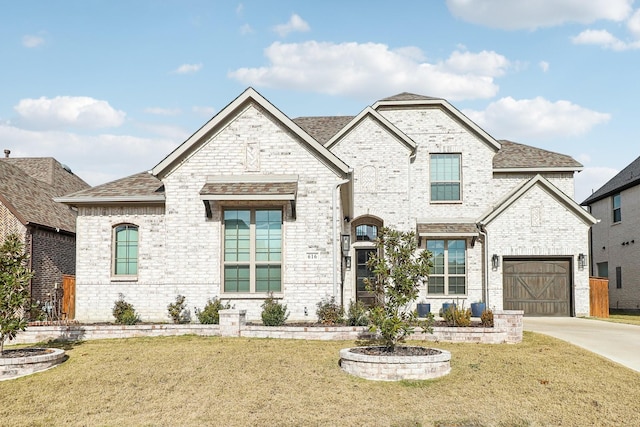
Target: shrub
(177, 310)
(124, 312)
(329, 312)
(486, 318)
(273, 313)
(457, 316)
(357, 315)
(210, 314)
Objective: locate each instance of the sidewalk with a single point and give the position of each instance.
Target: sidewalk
(615, 341)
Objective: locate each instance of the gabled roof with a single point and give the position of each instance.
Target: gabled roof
(227, 114)
(410, 100)
(139, 188)
(323, 128)
(551, 189)
(31, 199)
(514, 157)
(626, 178)
(370, 112)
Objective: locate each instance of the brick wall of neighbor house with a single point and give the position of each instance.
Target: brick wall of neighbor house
(53, 255)
(521, 223)
(96, 292)
(619, 246)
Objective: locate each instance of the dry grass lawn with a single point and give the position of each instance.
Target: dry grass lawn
(193, 381)
(621, 316)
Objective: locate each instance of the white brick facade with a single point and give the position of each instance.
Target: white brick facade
(180, 246)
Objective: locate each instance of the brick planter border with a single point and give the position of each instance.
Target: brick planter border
(15, 367)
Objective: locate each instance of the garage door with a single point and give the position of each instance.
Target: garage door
(540, 287)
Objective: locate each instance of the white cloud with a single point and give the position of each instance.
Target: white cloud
(521, 14)
(32, 41)
(633, 24)
(204, 111)
(536, 118)
(296, 23)
(188, 68)
(246, 29)
(591, 179)
(62, 111)
(604, 39)
(544, 66)
(96, 159)
(240, 9)
(371, 69)
(163, 111)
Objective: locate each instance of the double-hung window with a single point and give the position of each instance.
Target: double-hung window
(252, 250)
(617, 212)
(448, 276)
(125, 250)
(446, 177)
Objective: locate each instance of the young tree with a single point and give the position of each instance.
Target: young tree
(14, 288)
(400, 269)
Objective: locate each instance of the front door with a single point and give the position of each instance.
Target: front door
(364, 272)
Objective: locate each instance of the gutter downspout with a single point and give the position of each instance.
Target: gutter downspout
(485, 264)
(336, 239)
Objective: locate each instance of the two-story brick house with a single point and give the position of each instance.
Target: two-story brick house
(615, 239)
(255, 202)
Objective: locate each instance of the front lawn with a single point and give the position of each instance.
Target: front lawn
(623, 316)
(193, 381)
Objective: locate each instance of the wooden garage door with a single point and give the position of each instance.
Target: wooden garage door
(540, 287)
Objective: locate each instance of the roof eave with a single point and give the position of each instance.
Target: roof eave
(110, 200)
(540, 169)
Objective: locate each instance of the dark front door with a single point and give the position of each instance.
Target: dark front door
(363, 272)
(540, 287)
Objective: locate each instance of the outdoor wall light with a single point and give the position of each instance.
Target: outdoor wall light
(345, 243)
(582, 261)
(495, 261)
(347, 262)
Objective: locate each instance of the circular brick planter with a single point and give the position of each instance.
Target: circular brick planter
(395, 368)
(14, 367)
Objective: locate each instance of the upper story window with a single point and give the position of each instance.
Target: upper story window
(617, 212)
(449, 273)
(366, 233)
(125, 250)
(252, 250)
(445, 175)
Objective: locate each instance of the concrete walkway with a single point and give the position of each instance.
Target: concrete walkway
(615, 341)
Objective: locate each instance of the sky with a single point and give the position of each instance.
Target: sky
(109, 88)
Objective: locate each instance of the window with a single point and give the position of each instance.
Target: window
(366, 233)
(448, 276)
(603, 269)
(445, 177)
(253, 250)
(125, 253)
(618, 277)
(617, 212)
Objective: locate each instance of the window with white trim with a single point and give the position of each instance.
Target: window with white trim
(617, 210)
(445, 177)
(125, 250)
(252, 260)
(449, 274)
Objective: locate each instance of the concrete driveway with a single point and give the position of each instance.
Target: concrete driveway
(615, 341)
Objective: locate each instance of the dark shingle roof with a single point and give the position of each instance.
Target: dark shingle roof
(406, 96)
(514, 155)
(250, 188)
(441, 228)
(30, 198)
(140, 185)
(627, 177)
(322, 128)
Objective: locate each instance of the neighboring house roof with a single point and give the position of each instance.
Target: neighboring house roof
(31, 198)
(551, 189)
(323, 128)
(514, 157)
(247, 97)
(626, 178)
(139, 188)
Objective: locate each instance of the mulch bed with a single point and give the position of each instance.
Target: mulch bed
(397, 351)
(23, 352)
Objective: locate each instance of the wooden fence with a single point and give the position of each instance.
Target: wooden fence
(69, 297)
(598, 297)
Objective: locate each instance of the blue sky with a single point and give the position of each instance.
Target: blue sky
(111, 87)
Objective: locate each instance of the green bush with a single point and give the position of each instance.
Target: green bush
(177, 310)
(357, 315)
(457, 316)
(210, 314)
(486, 319)
(124, 312)
(329, 312)
(273, 313)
